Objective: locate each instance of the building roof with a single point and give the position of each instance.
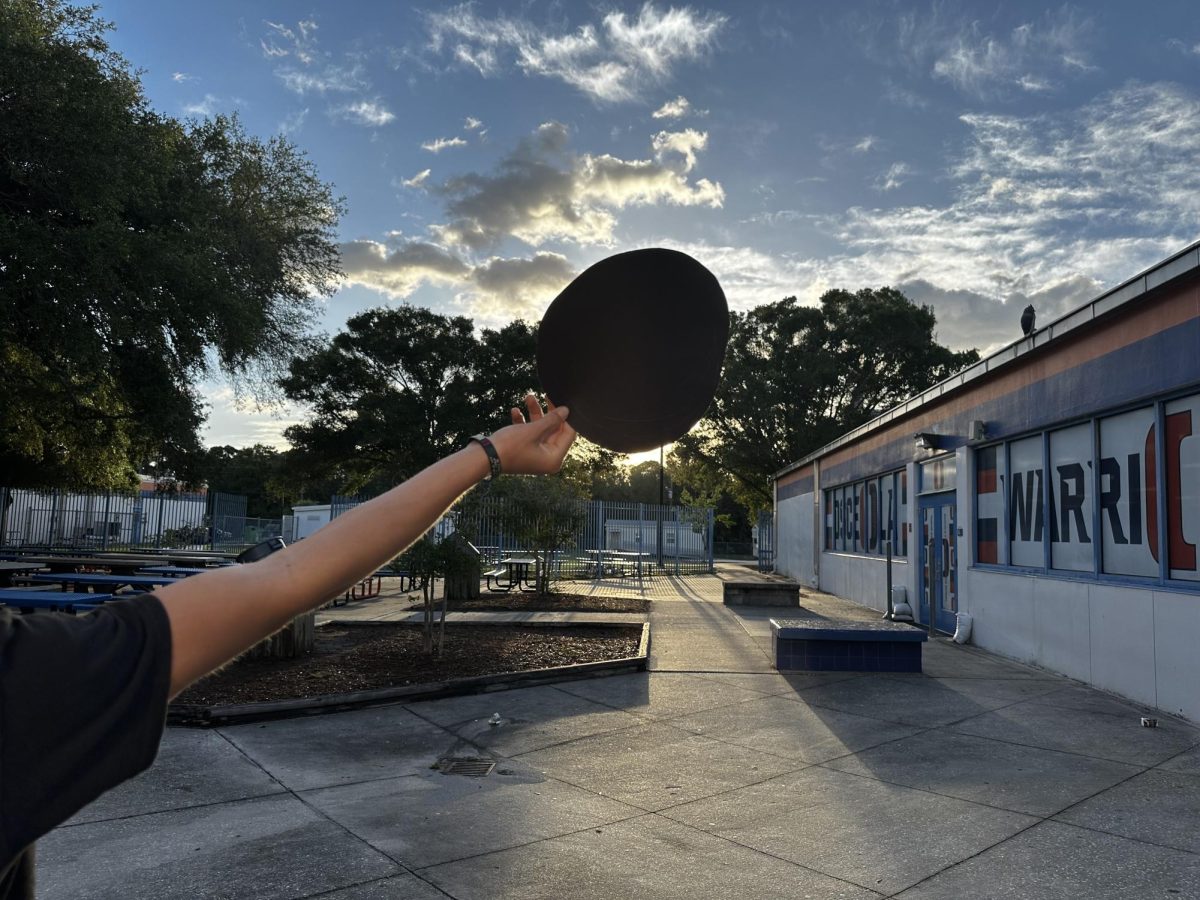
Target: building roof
(1185, 262)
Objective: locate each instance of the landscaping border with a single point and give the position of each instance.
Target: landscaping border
(201, 716)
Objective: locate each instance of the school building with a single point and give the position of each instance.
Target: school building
(1051, 492)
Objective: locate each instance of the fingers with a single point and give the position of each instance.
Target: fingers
(517, 418)
(534, 407)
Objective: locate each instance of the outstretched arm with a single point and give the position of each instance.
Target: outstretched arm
(215, 616)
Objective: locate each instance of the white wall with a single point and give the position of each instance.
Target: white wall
(794, 539)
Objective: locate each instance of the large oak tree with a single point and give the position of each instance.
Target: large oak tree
(137, 255)
(796, 377)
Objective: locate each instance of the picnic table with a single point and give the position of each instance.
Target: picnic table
(116, 564)
(177, 571)
(28, 601)
(513, 572)
(618, 562)
(87, 580)
(9, 570)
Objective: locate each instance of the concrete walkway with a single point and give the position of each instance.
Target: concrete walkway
(709, 777)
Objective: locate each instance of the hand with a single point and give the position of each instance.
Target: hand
(537, 446)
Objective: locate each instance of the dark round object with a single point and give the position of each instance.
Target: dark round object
(634, 346)
(260, 550)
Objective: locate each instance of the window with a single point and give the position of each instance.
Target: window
(863, 516)
(989, 504)
(1127, 490)
(1026, 513)
(1071, 491)
(1118, 496)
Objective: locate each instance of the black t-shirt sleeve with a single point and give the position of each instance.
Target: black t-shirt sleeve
(82, 708)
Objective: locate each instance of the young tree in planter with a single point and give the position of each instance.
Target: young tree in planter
(544, 515)
(423, 560)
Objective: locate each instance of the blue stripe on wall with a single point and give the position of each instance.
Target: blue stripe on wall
(795, 488)
(1155, 365)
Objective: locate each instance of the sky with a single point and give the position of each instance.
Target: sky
(977, 156)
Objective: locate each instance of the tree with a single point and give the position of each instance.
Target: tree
(544, 515)
(253, 472)
(137, 254)
(797, 377)
(400, 388)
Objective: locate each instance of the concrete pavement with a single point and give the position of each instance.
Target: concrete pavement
(711, 776)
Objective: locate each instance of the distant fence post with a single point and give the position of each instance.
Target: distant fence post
(107, 515)
(711, 567)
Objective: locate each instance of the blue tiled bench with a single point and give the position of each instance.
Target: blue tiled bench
(825, 645)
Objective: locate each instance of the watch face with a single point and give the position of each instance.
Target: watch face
(634, 346)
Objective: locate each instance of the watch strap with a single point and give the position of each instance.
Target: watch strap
(490, 449)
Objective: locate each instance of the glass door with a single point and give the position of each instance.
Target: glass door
(938, 573)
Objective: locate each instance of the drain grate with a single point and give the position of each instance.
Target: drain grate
(471, 766)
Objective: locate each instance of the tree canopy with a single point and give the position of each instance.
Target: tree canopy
(137, 253)
(400, 388)
(797, 377)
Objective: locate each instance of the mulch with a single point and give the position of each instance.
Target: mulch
(356, 657)
(551, 602)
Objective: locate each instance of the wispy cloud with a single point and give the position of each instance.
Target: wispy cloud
(896, 175)
(686, 143)
(1183, 47)
(367, 112)
(298, 42)
(472, 124)
(181, 77)
(417, 180)
(439, 144)
(203, 108)
(293, 123)
(610, 61)
(984, 63)
(866, 144)
(335, 79)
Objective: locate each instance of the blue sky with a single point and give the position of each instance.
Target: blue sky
(977, 156)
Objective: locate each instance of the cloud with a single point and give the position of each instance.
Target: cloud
(440, 144)
(673, 109)
(1042, 209)
(330, 79)
(685, 143)
(497, 289)
(204, 108)
(542, 192)
(610, 61)
(417, 180)
(294, 122)
(298, 42)
(180, 77)
(894, 177)
(1180, 46)
(398, 272)
(866, 144)
(472, 124)
(367, 112)
(986, 63)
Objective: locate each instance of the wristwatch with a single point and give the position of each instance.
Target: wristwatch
(490, 449)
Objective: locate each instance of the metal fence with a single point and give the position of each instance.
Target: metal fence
(764, 539)
(612, 539)
(65, 520)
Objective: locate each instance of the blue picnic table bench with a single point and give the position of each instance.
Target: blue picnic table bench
(92, 580)
(28, 601)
